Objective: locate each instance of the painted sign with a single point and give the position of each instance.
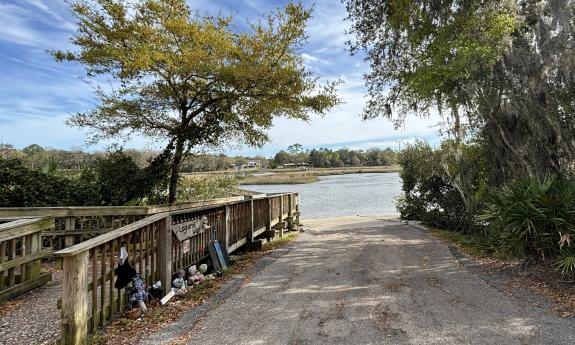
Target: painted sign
(191, 228)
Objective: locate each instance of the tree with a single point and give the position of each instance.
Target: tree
(504, 69)
(192, 80)
(33, 154)
(281, 158)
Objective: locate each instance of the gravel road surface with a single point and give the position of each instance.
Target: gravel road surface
(355, 280)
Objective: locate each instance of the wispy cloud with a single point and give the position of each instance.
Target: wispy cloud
(37, 94)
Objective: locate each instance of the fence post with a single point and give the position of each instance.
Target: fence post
(70, 224)
(164, 259)
(297, 211)
(281, 228)
(75, 300)
(251, 233)
(290, 212)
(269, 219)
(227, 228)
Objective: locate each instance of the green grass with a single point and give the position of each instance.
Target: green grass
(279, 179)
(472, 245)
(295, 176)
(281, 241)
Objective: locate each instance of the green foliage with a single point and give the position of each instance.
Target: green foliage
(281, 158)
(428, 51)
(565, 262)
(197, 188)
(118, 178)
(327, 158)
(194, 80)
(473, 244)
(430, 193)
(23, 187)
(529, 216)
(111, 180)
(503, 68)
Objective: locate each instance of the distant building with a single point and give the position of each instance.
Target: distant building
(302, 166)
(255, 164)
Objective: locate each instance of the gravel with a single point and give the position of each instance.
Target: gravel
(33, 318)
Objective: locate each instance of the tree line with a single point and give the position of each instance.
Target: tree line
(327, 158)
(47, 159)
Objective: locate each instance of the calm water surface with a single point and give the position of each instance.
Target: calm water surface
(343, 195)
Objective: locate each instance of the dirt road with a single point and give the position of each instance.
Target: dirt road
(360, 281)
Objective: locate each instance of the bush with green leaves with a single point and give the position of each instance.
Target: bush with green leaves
(112, 180)
(24, 187)
(534, 217)
(431, 193)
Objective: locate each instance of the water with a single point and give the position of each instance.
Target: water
(343, 195)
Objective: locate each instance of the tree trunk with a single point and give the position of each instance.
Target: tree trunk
(175, 171)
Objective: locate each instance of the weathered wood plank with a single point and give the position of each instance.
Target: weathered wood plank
(237, 245)
(164, 257)
(94, 320)
(23, 227)
(75, 301)
(26, 286)
(25, 259)
(2, 256)
(96, 241)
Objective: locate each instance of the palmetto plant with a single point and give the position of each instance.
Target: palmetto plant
(565, 262)
(529, 216)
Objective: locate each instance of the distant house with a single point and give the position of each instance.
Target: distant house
(254, 164)
(302, 166)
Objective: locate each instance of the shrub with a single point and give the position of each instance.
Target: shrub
(113, 180)
(23, 187)
(529, 217)
(118, 179)
(434, 185)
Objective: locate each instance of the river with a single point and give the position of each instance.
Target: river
(343, 195)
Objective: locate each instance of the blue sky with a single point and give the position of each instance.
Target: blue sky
(38, 94)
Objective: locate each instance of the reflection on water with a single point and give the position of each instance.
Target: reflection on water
(343, 195)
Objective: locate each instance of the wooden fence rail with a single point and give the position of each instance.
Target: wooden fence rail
(74, 225)
(89, 299)
(21, 253)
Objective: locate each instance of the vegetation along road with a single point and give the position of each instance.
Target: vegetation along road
(357, 280)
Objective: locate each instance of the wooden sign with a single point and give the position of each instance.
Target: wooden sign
(189, 229)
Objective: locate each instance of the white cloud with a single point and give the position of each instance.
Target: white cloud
(36, 95)
(310, 59)
(14, 26)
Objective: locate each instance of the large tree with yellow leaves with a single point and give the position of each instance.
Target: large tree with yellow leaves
(193, 79)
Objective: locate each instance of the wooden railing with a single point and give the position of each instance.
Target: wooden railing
(77, 224)
(89, 300)
(21, 253)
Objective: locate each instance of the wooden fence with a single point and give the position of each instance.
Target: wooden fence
(21, 253)
(89, 300)
(74, 225)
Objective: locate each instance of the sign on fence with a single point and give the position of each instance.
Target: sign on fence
(191, 228)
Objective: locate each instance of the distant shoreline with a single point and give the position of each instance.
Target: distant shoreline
(292, 176)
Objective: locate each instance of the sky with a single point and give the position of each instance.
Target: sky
(37, 94)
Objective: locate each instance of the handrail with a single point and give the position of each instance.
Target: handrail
(72, 211)
(21, 227)
(21, 253)
(96, 241)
